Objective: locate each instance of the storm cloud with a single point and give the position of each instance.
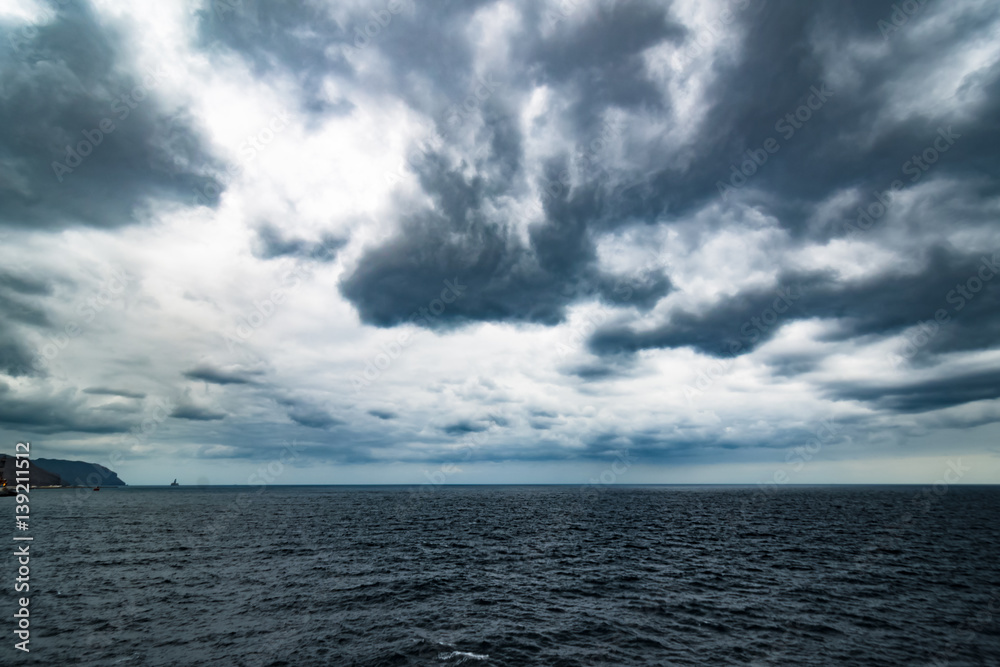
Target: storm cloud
(521, 238)
(89, 139)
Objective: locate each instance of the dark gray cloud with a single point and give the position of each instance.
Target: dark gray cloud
(16, 358)
(924, 395)
(313, 418)
(70, 84)
(271, 243)
(745, 110)
(383, 414)
(605, 368)
(220, 376)
(498, 278)
(306, 413)
(881, 305)
(107, 391)
(196, 413)
(28, 285)
(543, 420)
(598, 65)
(834, 148)
(816, 159)
(60, 412)
(18, 310)
(463, 427)
(295, 39)
(423, 44)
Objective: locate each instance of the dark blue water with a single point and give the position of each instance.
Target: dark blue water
(514, 576)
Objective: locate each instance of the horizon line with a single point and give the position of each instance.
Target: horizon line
(431, 484)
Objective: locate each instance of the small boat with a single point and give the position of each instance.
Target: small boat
(97, 488)
(174, 483)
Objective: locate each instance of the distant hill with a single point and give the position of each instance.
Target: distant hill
(39, 475)
(80, 473)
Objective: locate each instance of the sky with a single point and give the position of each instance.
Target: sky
(576, 242)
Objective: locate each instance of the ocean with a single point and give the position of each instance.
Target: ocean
(513, 575)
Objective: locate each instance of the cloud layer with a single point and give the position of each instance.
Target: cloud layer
(501, 236)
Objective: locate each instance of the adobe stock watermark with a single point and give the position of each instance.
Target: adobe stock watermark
(752, 330)
(220, 8)
(588, 164)
(963, 293)
(726, 17)
(482, 90)
(454, 117)
(264, 309)
(473, 441)
(248, 151)
(262, 478)
(581, 501)
(380, 20)
(122, 106)
(565, 8)
(915, 168)
(28, 33)
(787, 125)
(622, 291)
(899, 17)
(795, 460)
(422, 317)
(112, 290)
(608, 477)
(973, 625)
(797, 457)
(414, 158)
(926, 497)
(439, 477)
(587, 160)
(922, 501)
(135, 437)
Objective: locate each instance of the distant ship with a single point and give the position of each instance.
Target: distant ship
(174, 483)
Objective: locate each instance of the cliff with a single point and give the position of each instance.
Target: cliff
(40, 476)
(80, 473)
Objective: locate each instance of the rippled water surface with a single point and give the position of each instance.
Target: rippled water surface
(515, 576)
